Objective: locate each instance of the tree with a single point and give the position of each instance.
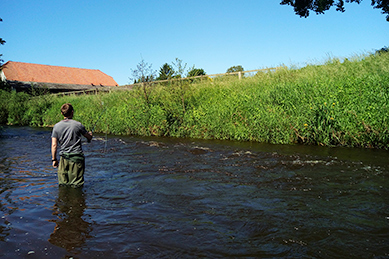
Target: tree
(196, 72)
(166, 72)
(233, 69)
(302, 7)
(382, 50)
(2, 42)
(179, 68)
(143, 72)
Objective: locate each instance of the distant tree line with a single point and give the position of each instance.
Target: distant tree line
(177, 69)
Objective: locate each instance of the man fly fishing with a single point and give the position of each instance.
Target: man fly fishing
(67, 133)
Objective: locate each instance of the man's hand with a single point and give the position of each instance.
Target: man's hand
(89, 136)
(55, 163)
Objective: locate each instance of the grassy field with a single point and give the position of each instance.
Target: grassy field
(332, 104)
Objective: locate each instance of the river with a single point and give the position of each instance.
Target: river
(181, 198)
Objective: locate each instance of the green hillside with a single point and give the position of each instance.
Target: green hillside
(336, 103)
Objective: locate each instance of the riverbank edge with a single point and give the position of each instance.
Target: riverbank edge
(338, 103)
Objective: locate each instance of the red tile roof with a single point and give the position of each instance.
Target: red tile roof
(27, 72)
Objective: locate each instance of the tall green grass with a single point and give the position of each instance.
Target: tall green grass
(336, 103)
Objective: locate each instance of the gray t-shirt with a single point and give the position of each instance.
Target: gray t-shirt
(68, 133)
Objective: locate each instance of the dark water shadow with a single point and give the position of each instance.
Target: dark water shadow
(71, 230)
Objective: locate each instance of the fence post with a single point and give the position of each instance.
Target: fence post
(240, 75)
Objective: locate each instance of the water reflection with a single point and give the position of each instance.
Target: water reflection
(6, 203)
(71, 230)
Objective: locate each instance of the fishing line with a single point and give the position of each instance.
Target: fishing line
(106, 136)
(106, 141)
(106, 132)
(93, 129)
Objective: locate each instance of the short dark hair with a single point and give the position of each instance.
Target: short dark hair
(66, 109)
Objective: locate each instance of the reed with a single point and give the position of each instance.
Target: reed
(338, 103)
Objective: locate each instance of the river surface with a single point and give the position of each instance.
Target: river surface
(180, 198)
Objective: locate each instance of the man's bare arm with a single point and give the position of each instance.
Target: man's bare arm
(54, 146)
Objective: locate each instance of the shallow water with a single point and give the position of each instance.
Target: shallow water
(175, 198)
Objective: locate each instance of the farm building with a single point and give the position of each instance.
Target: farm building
(22, 76)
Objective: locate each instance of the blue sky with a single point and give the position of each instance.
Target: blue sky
(114, 36)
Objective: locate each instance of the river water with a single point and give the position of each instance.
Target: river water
(179, 198)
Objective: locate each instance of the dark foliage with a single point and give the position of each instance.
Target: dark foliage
(303, 7)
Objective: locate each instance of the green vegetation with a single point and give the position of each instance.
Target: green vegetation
(2, 42)
(337, 103)
(234, 69)
(166, 72)
(196, 72)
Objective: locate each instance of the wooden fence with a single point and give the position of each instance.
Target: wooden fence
(129, 87)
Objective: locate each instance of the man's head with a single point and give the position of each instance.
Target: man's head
(67, 110)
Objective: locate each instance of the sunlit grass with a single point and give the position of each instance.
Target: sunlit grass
(336, 103)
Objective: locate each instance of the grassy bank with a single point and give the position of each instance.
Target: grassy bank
(337, 103)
